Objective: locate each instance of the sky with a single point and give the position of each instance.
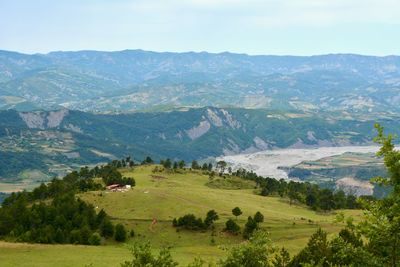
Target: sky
(268, 27)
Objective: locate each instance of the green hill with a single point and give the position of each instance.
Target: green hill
(166, 195)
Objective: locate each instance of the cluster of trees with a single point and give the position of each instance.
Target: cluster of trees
(64, 220)
(129, 162)
(169, 164)
(111, 175)
(51, 213)
(191, 222)
(204, 167)
(123, 163)
(251, 225)
(306, 193)
(76, 181)
(80, 181)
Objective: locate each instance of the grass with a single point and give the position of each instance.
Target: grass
(164, 196)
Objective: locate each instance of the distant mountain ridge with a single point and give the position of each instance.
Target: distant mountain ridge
(133, 80)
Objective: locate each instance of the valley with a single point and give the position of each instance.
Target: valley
(348, 168)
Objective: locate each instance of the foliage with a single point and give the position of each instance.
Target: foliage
(282, 258)
(237, 212)
(64, 220)
(250, 226)
(381, 226)
(120, 233)
(95, 239)
(211, 217)
(337, 252)
(143, 257)
(111, 175)
(309, 194)
(232, 227)
(254, 253)
(258, 217)
(190, 222)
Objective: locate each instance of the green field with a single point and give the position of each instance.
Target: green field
(164, 196)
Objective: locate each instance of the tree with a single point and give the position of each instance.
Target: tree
(339, 198)
(167, 164)
(255, 253)
(120, 233)
(311, 200)
(221, 165)
(292, 192)
(282, 259)
(316, 252)
(211, 217)
(338, 252)
(236, 212)
(210, 167)
(381, 226)
(204, 167)
(250, 226)
(258, 217)
(232, 227)
(181, 164)
(326, 201)
(106, 228)
(148, 160)
(195, 165)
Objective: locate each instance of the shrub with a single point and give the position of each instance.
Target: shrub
(95, 239)
(120, 233)
(232, 227)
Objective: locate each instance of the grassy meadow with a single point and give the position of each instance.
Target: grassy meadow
(164, 196)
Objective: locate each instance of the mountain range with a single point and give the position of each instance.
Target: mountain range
(137, 80)
(62, 110)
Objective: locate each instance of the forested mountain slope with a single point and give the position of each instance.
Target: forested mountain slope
(54, 141)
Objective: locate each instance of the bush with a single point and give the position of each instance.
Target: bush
(249, 227)
(120, 233)
(232, 227)
(189, 221)
(142, 256)
(106, 228)
(95, 239)
(132, 233)
(258, 217)
(211, 217)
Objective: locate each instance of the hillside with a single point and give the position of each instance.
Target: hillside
(133, 80)
(55, 142)
(164, 196)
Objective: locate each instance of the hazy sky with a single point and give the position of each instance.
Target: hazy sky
(296, 27)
